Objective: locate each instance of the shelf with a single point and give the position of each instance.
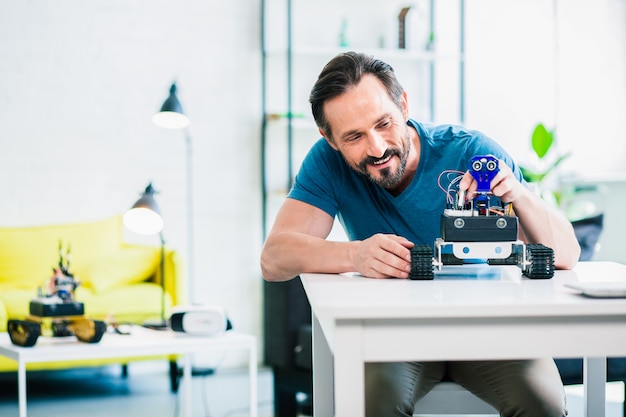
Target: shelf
(295, 50)
(296, 122)
(386, 54)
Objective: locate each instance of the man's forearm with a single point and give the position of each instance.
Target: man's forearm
(289, 254)
(543, 224)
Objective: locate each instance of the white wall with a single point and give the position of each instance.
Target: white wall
(559, 62)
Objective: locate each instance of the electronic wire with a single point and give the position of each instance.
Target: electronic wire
(453, 183)
(452, 189)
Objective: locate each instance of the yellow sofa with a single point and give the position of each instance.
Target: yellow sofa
(118, 280)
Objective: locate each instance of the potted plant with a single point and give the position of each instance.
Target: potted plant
(545, 163)
(576, 202)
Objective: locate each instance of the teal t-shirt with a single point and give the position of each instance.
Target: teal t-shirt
(364, 208)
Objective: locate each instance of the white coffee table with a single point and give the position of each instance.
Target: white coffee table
(141, 342)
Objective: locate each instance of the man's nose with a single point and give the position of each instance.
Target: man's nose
(376, 145)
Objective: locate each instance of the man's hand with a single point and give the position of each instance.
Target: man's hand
(382, 256)
(503, 185)
(538, 222)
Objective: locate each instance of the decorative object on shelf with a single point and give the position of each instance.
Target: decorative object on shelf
(344, 41)
(171, 116)
(402, 27)
(430, 44)
(285, 115)
(144, 218)
(416, 26)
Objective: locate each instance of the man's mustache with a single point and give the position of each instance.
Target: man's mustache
(370, 160)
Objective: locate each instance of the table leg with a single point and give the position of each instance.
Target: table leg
(21, 387)
(594, 380)
(252, 368)
(186, 386)
(349, 370)
(322, 373)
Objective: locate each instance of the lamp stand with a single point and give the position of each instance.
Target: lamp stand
(162, 323)
(190, 219)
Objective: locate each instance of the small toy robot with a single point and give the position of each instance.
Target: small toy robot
(56, 312)
(480, 229)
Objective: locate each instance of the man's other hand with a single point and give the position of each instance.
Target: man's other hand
(382, 256)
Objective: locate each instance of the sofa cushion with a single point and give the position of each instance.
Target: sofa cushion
(3, 317)
(129, 265)
(28, 254)
(16, 301)
(133, 303)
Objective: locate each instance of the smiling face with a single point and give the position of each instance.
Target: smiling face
(371, 133)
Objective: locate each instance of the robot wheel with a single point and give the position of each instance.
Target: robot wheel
(23, 332)
(421, 263)
(540, 261)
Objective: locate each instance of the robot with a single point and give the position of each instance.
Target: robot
(483, 228)
(55, 312)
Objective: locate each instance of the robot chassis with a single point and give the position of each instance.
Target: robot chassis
(480, 229)
(56, 313)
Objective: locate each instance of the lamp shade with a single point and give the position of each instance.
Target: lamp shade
(171, 115)
(144, 217)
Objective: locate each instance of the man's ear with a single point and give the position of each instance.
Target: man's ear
(405, 106)
(330, 141)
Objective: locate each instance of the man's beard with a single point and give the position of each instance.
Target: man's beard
(387, 179)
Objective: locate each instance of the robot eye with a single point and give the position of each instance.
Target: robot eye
(477, 165)
(492, 165)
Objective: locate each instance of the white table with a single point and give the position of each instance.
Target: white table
(141, 342)
(358, 320)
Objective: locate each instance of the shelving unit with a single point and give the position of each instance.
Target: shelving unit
(300, 36)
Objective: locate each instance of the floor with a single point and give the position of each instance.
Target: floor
(104, 392)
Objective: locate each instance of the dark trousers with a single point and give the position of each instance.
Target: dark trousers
(524, 388)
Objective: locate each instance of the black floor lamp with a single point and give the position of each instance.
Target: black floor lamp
(171, 116)
(144, 218)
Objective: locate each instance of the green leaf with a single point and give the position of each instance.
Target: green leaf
(541, 140)
(534, 176)
(558, 162)
(531, 176)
